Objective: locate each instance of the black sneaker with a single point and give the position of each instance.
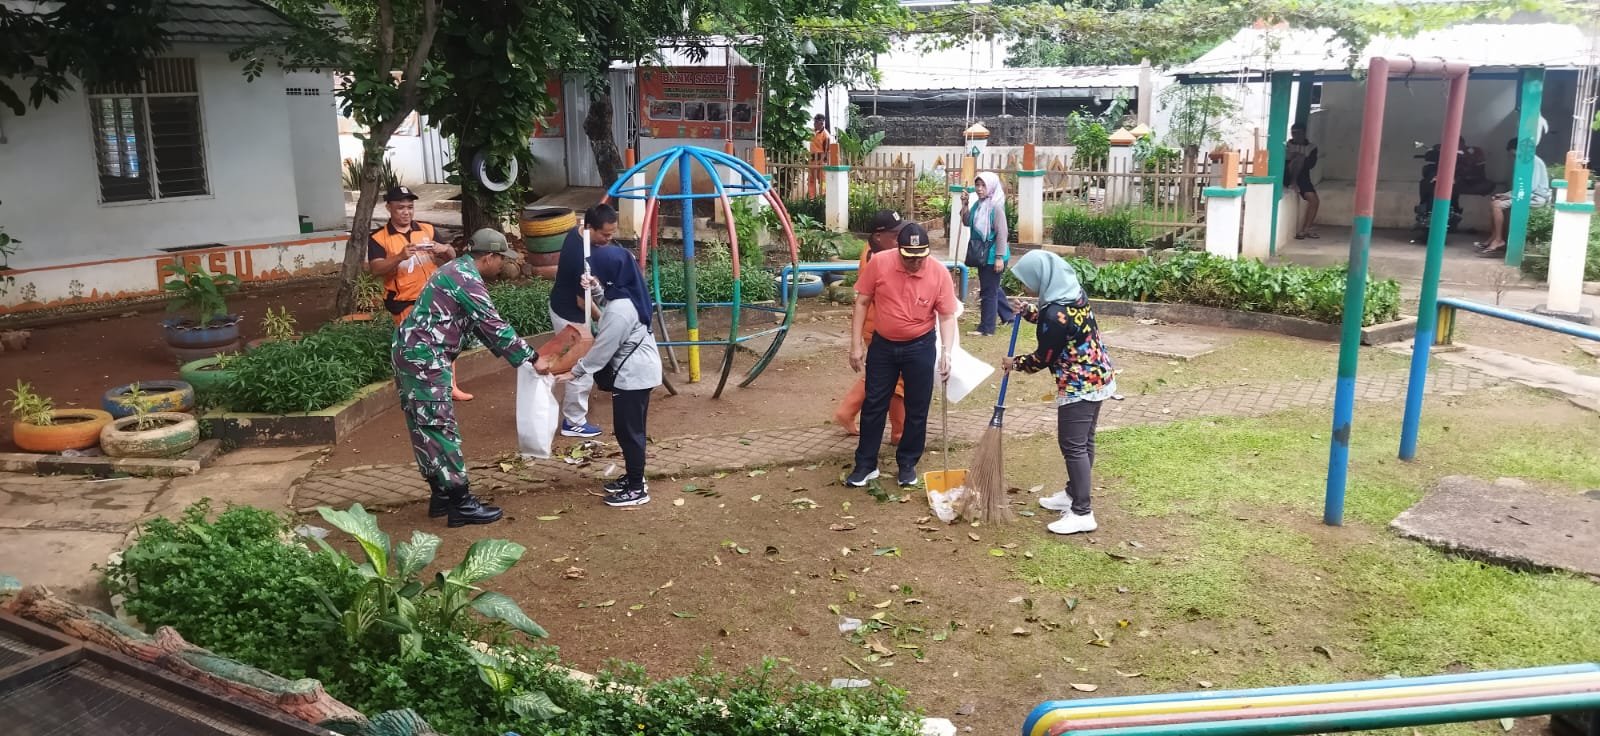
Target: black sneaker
(615, 485)
(907, 477)
(858, 478)
(629, 497)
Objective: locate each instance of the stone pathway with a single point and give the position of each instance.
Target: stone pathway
(1509, 522)
(390, 485)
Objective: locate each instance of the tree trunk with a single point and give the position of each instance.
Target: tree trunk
(597, 125)
(474, 216)
(355, 249)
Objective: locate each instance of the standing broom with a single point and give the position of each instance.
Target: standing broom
(986, 480)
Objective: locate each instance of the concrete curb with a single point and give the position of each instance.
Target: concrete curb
(1400, 329)
(189, 463)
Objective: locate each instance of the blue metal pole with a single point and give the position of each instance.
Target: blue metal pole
(691, 293)
(1428, 306)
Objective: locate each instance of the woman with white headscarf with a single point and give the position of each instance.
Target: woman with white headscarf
(1071, 349)
(988, 250)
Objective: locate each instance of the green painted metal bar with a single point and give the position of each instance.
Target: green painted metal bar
(1366, 720)
(1302, 98)
(1277, 141)
(1532, 84)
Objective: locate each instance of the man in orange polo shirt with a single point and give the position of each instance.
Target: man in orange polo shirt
(909, 300)
(885, 237)
(404, 254)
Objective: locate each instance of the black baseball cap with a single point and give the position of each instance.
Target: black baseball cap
(885, 220)
(914, 241)
(397, 194)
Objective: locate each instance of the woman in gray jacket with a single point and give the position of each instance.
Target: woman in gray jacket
(625, 344)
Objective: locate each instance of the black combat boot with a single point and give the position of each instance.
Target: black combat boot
(439, 501)
(465, 509)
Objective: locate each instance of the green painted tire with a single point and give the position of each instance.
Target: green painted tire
(178, 433)
(204, 376)
(544, 243)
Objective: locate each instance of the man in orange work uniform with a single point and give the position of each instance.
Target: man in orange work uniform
(404, 254)
(885, 234)
(820, 140)
(915, 309)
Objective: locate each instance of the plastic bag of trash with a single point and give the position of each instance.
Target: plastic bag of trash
(945, 503)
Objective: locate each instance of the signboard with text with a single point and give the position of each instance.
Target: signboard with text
(693, 102)
(554, 124)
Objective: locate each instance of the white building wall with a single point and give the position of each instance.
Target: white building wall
(314, 141)
(50, 189)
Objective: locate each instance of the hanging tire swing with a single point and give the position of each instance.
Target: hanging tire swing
(480, 169)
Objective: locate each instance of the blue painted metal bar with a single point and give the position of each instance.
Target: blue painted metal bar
(838, 266)
(1455, 101)
(1055, 705)
(1329, 77)
(1523, 318)
(1362, 720)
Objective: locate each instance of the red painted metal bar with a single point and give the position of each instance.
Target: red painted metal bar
(1164, 719)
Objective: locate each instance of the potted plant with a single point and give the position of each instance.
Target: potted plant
(147, 433)
(206, 328)
(40, 427)
(368, 298)
(276, 326)
(160, 395)
(209, 376)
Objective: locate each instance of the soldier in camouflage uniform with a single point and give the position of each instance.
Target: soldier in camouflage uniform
(452, 309)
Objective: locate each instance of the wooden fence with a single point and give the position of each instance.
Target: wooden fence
(891, 184)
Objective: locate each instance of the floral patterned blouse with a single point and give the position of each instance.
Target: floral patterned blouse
(1070, 346)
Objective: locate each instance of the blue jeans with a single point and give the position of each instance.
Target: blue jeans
(889, 362)
(992, 301)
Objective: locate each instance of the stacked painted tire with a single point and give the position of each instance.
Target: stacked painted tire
(544, 230)
(164, 396)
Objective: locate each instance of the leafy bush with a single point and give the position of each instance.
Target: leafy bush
(526, 306)
(864, 205)
(324, 368)
(1536, 258)
(387, 178)
(1115, 229)
(1245, 285)
(230, 585)
(714, 276)
(30, 407)
(815, 208)
(196, 291)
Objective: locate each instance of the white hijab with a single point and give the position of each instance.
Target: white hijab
(983, 215)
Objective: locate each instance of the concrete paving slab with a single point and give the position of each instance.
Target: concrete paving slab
(59, 560)
(264, 485)
(265, 456)
(75, 502)
(1182, 342)
(1509, 522)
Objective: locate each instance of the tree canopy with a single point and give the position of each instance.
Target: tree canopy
(44, 52)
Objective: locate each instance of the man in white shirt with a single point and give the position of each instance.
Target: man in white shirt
(1501, 205)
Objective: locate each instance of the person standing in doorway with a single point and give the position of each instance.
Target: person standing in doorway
(404, 254)
(626, 346)
(450, 311)
(820, 140)
(885, 237)
(915, 309)
(1298, 161)
(988, 250)
(566, 308)
(1071, 349)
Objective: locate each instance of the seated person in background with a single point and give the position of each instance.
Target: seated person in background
(1499, 212)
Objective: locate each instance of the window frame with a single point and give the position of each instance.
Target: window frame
(148, 162)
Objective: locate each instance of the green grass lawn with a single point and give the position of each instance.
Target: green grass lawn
(1212, 552)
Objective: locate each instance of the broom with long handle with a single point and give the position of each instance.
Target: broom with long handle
(987, 478)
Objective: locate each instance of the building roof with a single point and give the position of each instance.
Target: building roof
(1090, 80)
(1482, 45)
(222, 21)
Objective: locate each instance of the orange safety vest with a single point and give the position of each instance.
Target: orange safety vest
(402, 287)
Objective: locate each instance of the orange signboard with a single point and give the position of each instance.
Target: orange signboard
(552, 125)
(692, 102)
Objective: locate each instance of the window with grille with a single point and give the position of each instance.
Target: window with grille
(148, 140)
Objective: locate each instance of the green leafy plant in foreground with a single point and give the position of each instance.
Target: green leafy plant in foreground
(394, 597)
(30, 407)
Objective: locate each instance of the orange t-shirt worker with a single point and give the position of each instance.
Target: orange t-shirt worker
(403, 253)
(820, 140)
(914, 307)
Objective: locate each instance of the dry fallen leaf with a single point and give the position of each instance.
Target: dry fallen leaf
(606, 604)
(1130, 674)
(574, 573)
(548, 518)
(974, 537)
(1084, 687)
(1019, 631)
(884, 604)
(1205, 683)
(841, 527)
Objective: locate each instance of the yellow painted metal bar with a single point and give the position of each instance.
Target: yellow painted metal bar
(1044, 724)
(694, 355)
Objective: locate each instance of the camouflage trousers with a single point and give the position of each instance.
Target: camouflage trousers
(436, 441)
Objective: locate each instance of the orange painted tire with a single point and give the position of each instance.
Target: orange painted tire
(80, 432)
(545, 272)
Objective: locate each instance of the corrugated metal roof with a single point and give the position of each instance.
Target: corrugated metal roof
(222, 21)
(1482, 45)
(904, 79)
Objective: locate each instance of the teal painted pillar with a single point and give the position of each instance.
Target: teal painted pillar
(1277, 140)
(1532, 84)
(1302, 98)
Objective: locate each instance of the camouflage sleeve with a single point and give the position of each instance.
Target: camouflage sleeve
(488, 326)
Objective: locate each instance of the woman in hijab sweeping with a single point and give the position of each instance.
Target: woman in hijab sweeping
(987, 251)
(1070, 348)
(624, 361)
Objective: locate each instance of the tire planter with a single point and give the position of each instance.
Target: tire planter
(75, 429)
(165, 397)
(810, 285)
(545, 243)
(540, 260)
(185, 335)
(185, 355)
(204, 376)
(538, 222)
(547, 273)
(122, 438)
(357, 317)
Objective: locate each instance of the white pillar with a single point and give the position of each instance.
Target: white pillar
(1224, 210)
(1257, 242)
(1569, 242)
(1030, 207)
(959, 233)
(837, 200)
(1119, 189)
(630, 212)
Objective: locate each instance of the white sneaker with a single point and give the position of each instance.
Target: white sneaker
(1071, 523)
(1059, 502)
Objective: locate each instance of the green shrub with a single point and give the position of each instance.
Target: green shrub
(813, 207)
(1245, 285)
(1536, 257)
(322, 369)
(714, 277)
(864, 205)
(230, 585)
(1118, 228)
(526, 305)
